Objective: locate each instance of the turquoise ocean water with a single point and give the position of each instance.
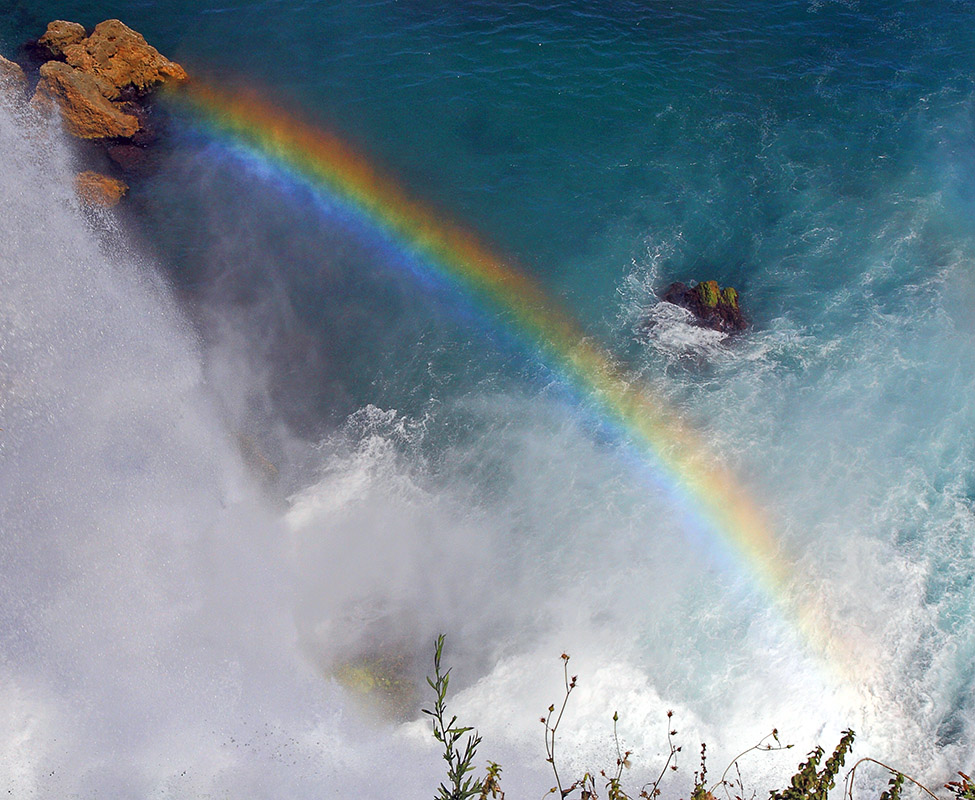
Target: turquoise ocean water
(251, 442)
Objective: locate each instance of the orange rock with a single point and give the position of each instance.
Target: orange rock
(61, 34)
(86, 112)
(99, 190)
(120, 58)
(11, 75)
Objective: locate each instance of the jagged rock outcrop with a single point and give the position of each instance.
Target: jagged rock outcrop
(59, 35)
(120, 58)
(99, 190)
(99, 81)
(11, 75)
(713, 306)
(101, 86)
(86, 112)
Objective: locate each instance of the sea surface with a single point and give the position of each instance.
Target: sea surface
(256, 456)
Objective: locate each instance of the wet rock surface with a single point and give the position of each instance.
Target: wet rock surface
(13, 82)
(712, 306)
(101, 83)
(59, 35)
(101, 86)
(120, 58)
(85, 111)
(99, 190)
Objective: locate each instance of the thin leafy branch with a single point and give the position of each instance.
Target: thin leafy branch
(894, 786)
(963, 789)
(551, 728)
(491, 787)
(764, 745)
(652, 789)
(586, 785)
(460, 785)
(812, 783)
(700, 790)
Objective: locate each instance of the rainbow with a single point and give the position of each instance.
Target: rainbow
(642, 417)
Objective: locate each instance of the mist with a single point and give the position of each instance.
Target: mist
(212, 533)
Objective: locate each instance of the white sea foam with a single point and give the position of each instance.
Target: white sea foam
(845, 412)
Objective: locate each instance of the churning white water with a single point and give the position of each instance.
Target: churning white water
(173, 621)
(148, 626)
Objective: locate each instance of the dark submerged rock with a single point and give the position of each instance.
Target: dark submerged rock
(128, 157)
(713, 306)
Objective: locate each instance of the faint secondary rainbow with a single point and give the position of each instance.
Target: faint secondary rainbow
(644, 418)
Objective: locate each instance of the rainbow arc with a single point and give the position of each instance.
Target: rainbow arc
(644, 418)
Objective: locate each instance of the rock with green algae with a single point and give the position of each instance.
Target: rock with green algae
(708, 293)
(713, 306)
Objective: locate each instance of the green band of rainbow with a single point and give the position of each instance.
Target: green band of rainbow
(327, 162)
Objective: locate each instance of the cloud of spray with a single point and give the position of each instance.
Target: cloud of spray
(195, 542)
(146, 621)
(167, 631)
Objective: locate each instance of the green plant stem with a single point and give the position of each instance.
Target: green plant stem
(850, 775)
